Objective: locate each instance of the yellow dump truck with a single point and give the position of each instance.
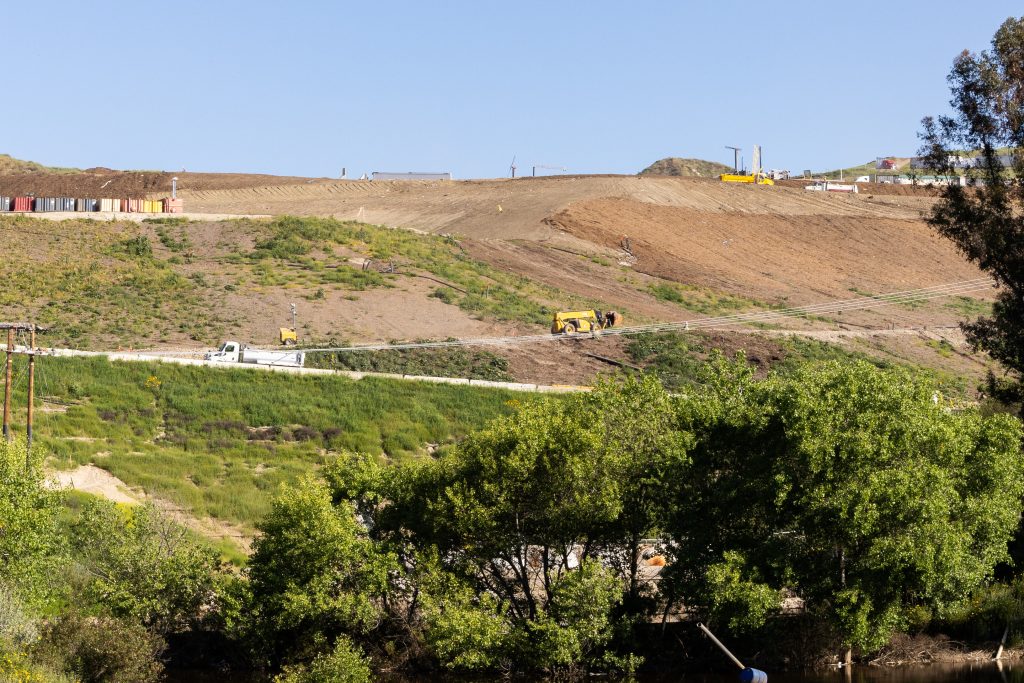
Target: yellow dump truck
(571, 322)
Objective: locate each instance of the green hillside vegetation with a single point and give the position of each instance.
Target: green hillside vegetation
(699, 168)
(292, 250)
(451, 362)
(10, 166)
(219, 442)
(851, 172)
(104, 283)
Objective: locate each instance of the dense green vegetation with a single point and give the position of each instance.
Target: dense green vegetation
(442, 362)
(531, 544)
(218, 442)
(678, 358)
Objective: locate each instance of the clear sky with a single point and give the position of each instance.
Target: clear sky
(307, 87)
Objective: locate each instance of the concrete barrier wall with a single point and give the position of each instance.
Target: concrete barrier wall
(134, 357)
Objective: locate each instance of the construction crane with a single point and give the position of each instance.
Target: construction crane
(553, 168)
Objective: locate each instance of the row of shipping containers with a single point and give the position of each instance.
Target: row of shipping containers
(40, 204)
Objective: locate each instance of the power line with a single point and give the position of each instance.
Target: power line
(834, 306)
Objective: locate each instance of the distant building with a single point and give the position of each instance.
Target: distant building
(410, 175)
(963, 161)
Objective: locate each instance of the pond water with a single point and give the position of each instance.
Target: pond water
(970, 672)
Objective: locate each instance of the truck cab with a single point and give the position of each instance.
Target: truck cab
(228, 352)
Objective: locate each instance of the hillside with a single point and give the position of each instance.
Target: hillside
(697, 168)
(483, 258)
(10, 166)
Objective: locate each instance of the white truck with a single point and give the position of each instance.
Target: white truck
(233, 352)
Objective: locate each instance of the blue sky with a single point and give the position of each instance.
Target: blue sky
(306, 88)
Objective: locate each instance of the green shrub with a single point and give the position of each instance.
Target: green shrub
(344, 664)
(101, 649)
(138, 247)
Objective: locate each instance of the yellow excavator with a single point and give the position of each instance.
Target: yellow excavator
(571, 322)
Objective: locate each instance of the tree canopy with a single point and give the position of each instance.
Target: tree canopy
(986, 218)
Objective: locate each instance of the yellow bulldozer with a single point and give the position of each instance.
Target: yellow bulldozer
(571, 322)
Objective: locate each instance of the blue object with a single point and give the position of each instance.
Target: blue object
(749, 675)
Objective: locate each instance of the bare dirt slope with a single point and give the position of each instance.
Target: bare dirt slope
(772, 244)
(797, 259)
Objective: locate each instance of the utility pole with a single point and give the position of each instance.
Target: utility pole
(7, 384)
(735, 158)
(11, 328)
(31, 390)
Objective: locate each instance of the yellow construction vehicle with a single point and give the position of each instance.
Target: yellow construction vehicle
(571, 322)
(756, 178)
(289, 336)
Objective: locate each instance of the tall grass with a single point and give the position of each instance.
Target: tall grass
(219, 442)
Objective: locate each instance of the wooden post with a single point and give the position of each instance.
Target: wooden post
(31, 389)
(1002, 644)
(7, 385)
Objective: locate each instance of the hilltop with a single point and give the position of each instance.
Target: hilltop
(697, 168)
(9, 166)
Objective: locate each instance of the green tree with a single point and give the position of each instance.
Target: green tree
(521, 511)
(145, 567)
(851, 486)
(30, 545)
(986, 219)
(314, 575)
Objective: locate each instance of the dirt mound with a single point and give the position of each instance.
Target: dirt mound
(698, 168)
(768, 257)
(103, 182)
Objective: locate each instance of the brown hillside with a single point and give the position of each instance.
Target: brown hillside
(696, 168)
(734, 247)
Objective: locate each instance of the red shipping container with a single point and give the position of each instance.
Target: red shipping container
(23, 203)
